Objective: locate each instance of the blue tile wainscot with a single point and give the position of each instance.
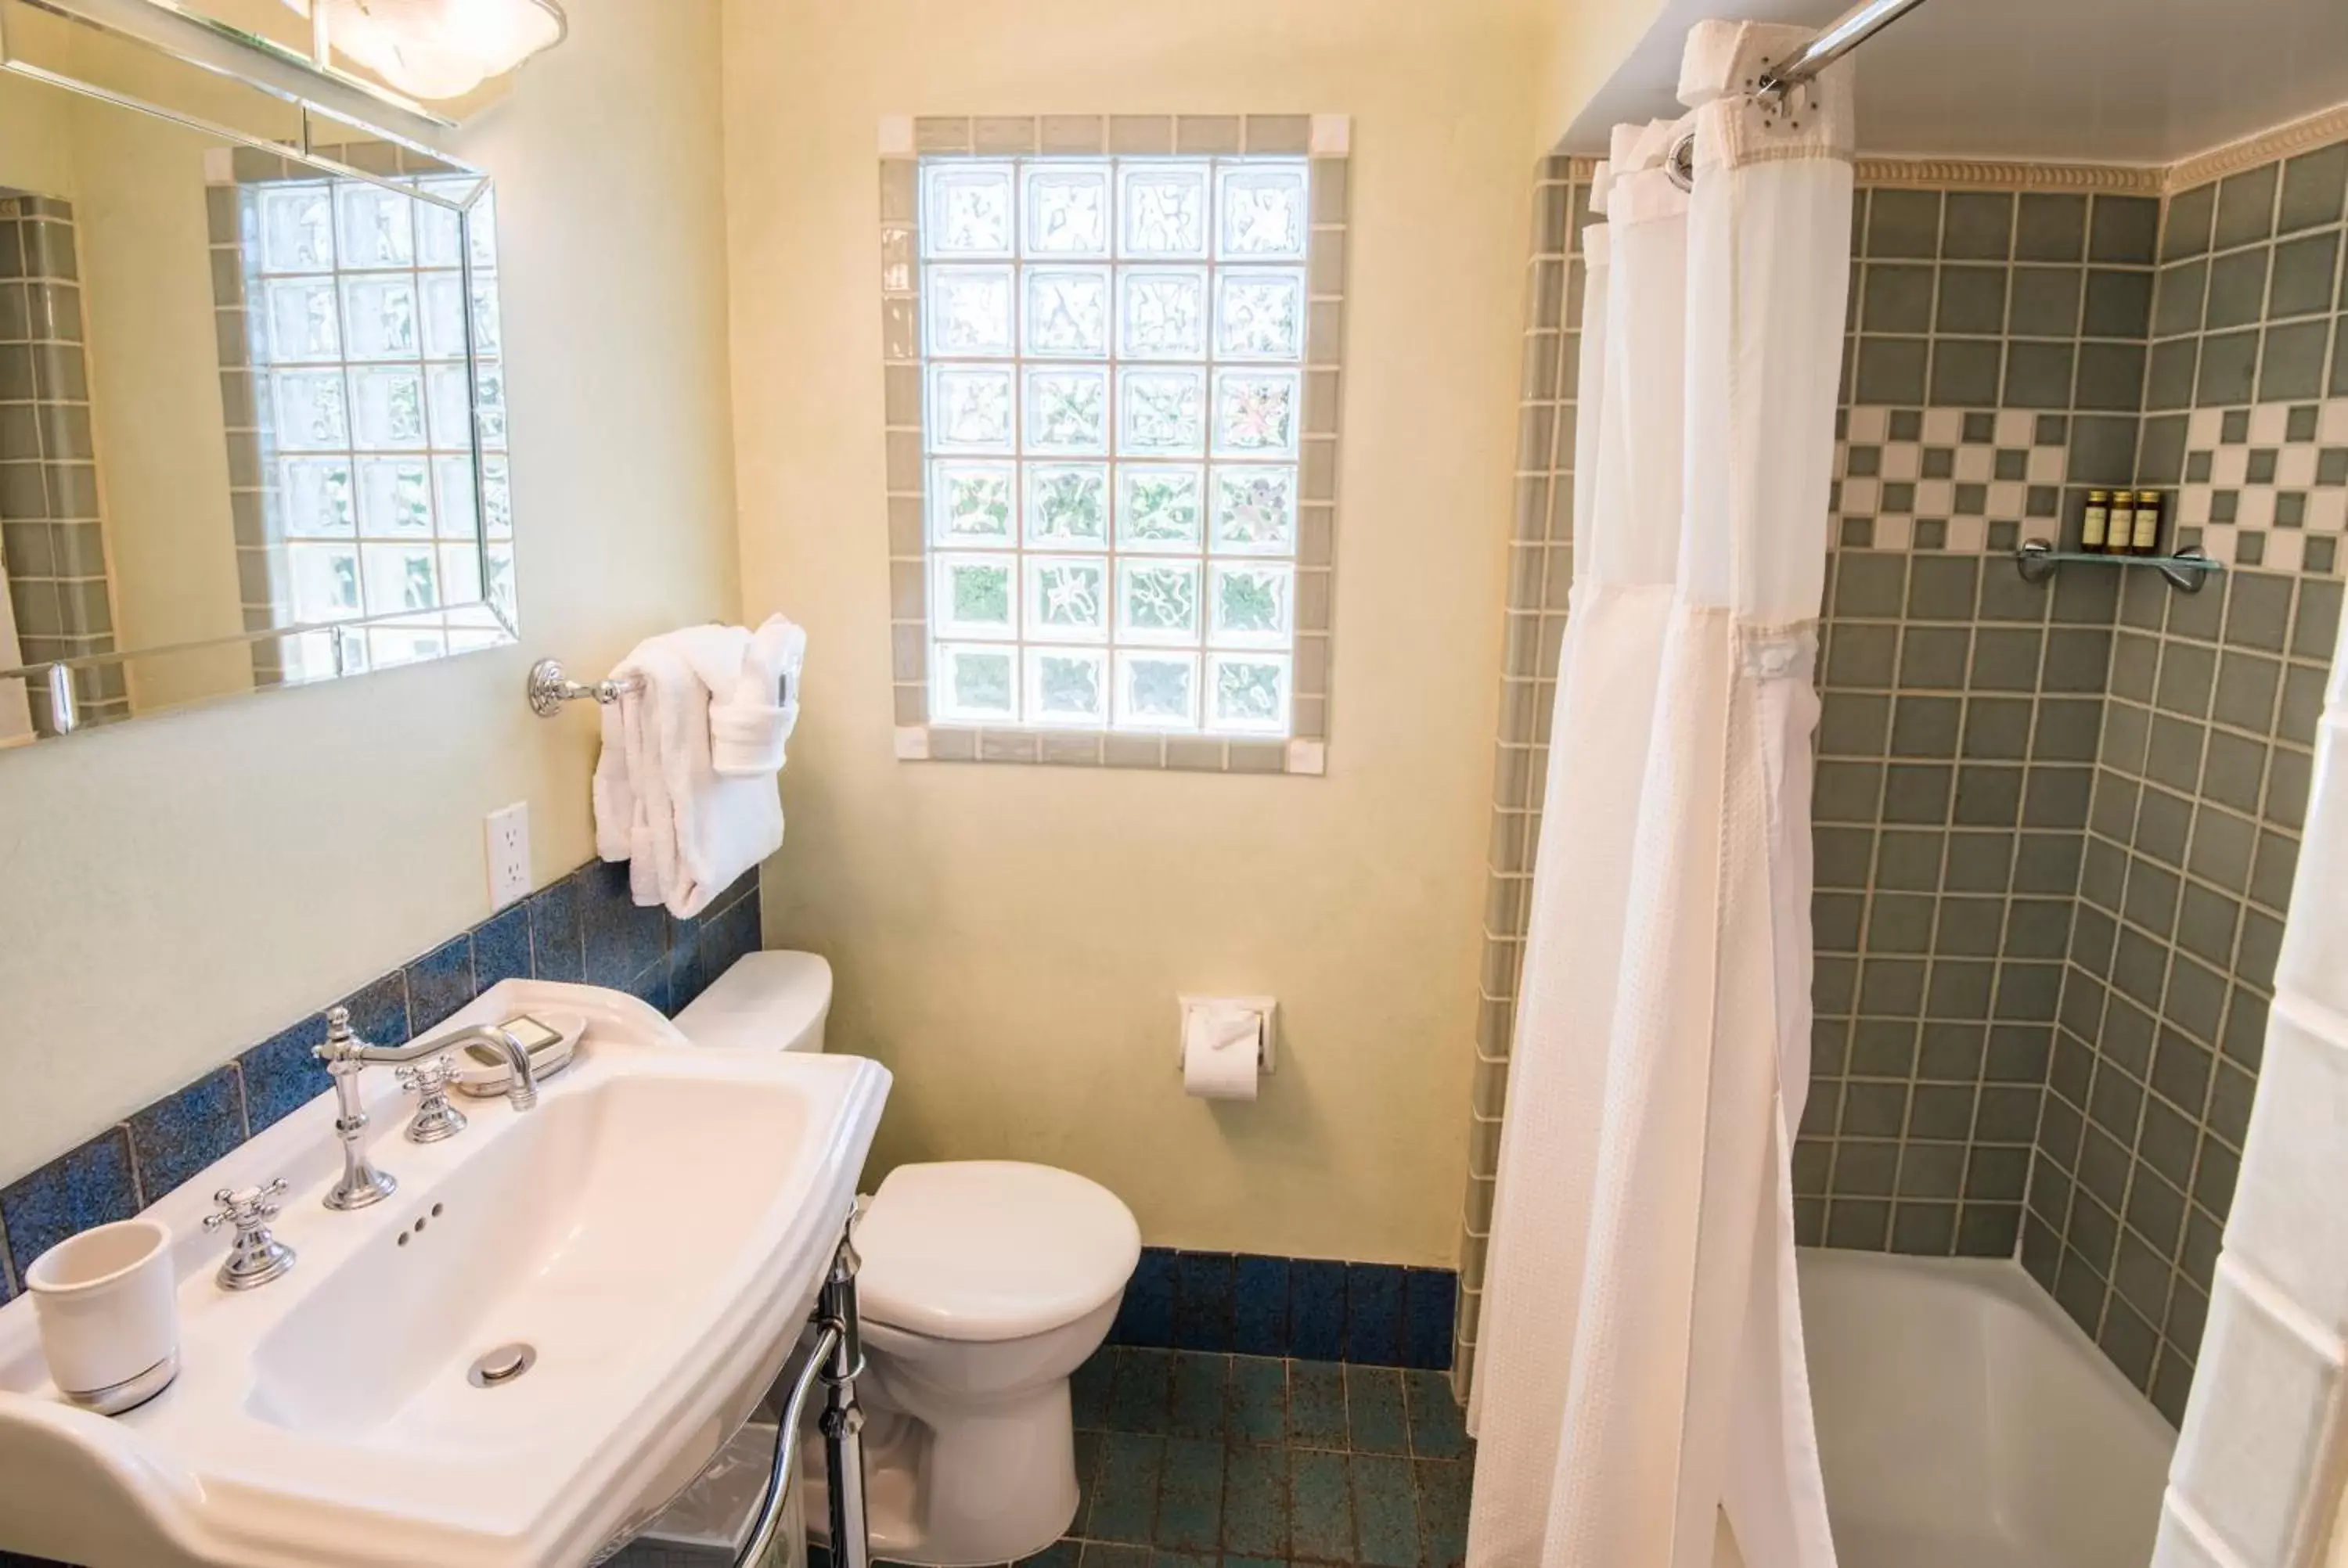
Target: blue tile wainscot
(581, 927)
(1317, 1309)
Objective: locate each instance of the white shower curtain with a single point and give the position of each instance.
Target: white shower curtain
(1640, 1376)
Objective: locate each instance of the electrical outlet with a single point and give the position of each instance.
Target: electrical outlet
(508, 833)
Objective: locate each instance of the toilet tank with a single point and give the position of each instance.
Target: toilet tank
(766, 1001)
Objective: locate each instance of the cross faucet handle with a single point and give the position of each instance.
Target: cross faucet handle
(255, 1257)
(435, 1118)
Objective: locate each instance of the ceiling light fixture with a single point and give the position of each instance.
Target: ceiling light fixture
(435, 49)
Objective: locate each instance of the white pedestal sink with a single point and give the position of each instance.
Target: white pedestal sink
(655, 1231)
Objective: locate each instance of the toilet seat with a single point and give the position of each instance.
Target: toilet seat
(988, 1250)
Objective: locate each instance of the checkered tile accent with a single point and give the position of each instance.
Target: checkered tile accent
(1963, 481)
(2267, 486)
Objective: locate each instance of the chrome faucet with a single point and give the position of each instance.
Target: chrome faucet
(346, 1055)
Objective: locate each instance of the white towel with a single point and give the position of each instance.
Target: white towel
(749, 723)
(686, 829)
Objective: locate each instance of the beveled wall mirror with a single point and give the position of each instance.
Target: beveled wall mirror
(252, 412)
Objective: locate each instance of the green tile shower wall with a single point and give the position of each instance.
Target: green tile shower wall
(580, 927)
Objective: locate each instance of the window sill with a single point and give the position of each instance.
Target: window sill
(1111, 749)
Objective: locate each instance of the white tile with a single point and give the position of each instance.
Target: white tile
(2218, 542)
(913, 743)
(2332, 423)
(2313, 964)
(1894, 533)
(2193, 505)
(1976, 465)
(2006, 499)
(1967, 536)
(1867, 424)
(1860, 496)
(896, 136)
(2258, 507)
(2047, 464)
(2232, 466)
(2202, 427)
(2295, 466)
(2286, 550)
(2183, 1544)
(1310, 757)
(2288, 1220)
(1935, 497)
(2270, 422)
(1903, 460)
(2247, 1457)
(1332, 135)
(1943, 427)
(2016, 427)
(2327, 511)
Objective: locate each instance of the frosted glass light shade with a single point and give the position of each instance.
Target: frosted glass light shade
(439, 48)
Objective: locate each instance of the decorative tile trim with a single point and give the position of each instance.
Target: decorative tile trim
(2257, 495)
(1987, 174)
(904, 141)
(1371, 1314)
(2304, 135)
(581, 926)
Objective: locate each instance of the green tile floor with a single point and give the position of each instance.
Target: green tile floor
(1195, 1460)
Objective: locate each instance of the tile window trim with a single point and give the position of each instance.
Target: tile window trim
(905, 143)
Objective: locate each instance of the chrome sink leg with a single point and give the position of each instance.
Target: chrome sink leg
(843, 1420)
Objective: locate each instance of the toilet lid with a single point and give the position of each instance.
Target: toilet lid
(991, 1249)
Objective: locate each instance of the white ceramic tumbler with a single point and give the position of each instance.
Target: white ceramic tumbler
(108, 1304)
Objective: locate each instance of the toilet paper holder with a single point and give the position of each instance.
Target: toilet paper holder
(1266, 1009)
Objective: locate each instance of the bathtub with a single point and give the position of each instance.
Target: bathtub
(1965, 1422)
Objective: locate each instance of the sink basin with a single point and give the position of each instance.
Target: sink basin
(653, 1232)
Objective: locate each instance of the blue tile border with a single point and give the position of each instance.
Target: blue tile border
(1311, 1308)
(578, 928)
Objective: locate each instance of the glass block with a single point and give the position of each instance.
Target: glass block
(1067, 411)
(394, 497)
(971, 504)
(1067, 208)
(1260, 212)
(325, 582)
(497, 568)
(310, 413)
(1067, 506)
(318, 497)
(444, 315)
(303, 320)
(489, 319)
(1247, 692)
(1255, 509)
(388, 647)
(1162, 313)
(1255, 413)
(460, 573)
(497, 499)
(379, 318)
(455, 515)
(488, 403)
(1068, 313)
(447, 405)
(1158, 691)
(1068, 598)
(297, 228)
(976, 595)
(482, 225)
(1159, 507)
(399, 576)
(1162, 210)
(375, 227)
(969, 311)
(970, 408)
(977, 684)
(1162, 413)
(1260, 313)
(439, 235)
(1250, 606)
(966, 210)
(1158, 601)
(1068, 686)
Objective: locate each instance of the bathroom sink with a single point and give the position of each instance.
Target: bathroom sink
(654, 1233)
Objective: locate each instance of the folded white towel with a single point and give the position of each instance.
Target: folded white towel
(661, 802)
(749, 724)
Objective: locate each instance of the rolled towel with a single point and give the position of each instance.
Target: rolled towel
(750, 723)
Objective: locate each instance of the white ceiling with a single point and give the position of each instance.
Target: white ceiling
(2102, 81)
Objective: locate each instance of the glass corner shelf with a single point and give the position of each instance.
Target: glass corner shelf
(2186, 571)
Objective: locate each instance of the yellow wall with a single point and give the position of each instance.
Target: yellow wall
(1587, 40)
(175, 890)
(1011, 940)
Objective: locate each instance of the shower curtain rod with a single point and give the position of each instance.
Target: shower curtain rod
(1844, 33)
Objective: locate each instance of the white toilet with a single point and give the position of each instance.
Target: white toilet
(985, 1284)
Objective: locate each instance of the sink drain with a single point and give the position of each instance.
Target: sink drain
(501, 1366)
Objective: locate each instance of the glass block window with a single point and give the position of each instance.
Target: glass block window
(370, 324)
(1110, 367)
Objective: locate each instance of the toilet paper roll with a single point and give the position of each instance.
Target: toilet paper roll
(1220, 1047)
